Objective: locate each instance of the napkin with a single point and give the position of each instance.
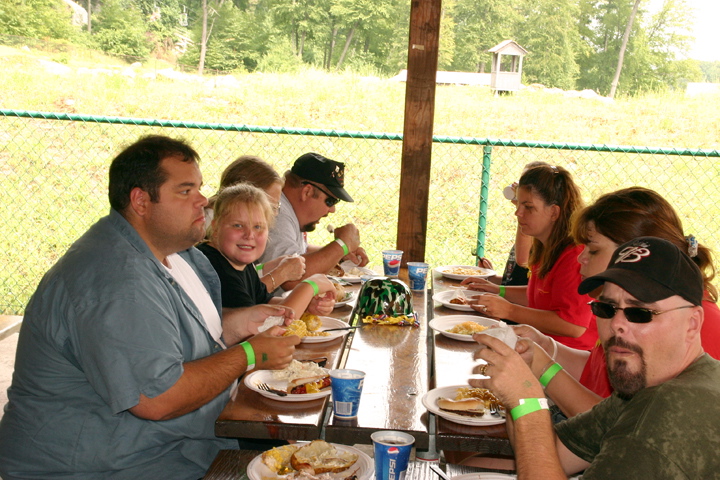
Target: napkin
(271, 322)
(504, 332)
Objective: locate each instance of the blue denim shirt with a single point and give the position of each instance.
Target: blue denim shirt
(107, 324)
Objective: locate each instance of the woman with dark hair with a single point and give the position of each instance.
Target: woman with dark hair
(616, 218)
(547, 199)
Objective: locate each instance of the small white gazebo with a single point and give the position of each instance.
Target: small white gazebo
(506, 71)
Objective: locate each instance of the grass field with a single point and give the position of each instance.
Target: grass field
(54, 172)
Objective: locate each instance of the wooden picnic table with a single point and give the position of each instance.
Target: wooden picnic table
(402, 364)
(453, 363)
(397, 368)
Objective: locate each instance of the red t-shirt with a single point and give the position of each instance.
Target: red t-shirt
(558, 292)
(594, 375)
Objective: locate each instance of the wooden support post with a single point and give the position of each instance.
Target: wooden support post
(418, 128)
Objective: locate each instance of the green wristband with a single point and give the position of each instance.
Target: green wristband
(345, 248)
(501, 293)
(250, 354)
(550, 374)
(314, 286)
(529, 405)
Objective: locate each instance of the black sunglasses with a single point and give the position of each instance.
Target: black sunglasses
(330, 201)
(633, 314)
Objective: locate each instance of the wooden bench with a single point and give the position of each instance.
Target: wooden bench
(9, 324)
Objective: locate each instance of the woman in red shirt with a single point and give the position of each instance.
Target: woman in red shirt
(613, 219)
(547, 199)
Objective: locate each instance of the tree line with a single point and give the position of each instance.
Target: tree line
(603, 45)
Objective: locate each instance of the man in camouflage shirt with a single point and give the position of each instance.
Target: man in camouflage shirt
(663, 420)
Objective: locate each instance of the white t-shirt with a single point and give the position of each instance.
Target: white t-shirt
(193, 286)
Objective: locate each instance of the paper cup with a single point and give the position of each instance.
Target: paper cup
(346, 388)
(392, 454)
(392, 259)
(417, 272)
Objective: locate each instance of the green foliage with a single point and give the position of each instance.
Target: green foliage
(120, 30)
(479, 27)
(550, 35)
(710, 71)
(37, 19)
(279, 58)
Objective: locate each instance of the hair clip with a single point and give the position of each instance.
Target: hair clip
(692, 246)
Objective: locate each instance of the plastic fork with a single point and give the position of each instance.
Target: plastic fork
(268, 388)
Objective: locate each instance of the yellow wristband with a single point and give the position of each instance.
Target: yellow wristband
(314, 286)
(250, 354)
(529, 405)
(501, 293)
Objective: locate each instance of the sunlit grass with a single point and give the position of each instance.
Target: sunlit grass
(54, 173)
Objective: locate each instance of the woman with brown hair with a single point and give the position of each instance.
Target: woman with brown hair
(612, 220)
(547, 199)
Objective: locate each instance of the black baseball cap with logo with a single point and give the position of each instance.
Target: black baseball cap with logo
(316, 168)
(650, 269)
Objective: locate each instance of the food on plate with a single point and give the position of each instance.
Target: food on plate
(459, 301)
(464, 271)
(303, 385)
(303, 377)
(468, 406)
(356, 272)
(339, 292)
(468, 401)
(467, 328)
(336, 271)
(319, 457)
(278, 459)
(306, 326)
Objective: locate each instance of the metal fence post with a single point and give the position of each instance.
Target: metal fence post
(484, 192)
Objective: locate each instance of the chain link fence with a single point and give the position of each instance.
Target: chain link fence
(54, 183)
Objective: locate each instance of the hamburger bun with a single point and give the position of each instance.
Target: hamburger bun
(473, 407)
(319, 457)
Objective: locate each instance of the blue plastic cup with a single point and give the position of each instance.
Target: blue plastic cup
(417, 273)
(346, 389)
(392, 454)
(392, 259)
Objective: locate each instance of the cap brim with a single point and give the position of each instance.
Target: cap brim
(340, 193)
(636, 284)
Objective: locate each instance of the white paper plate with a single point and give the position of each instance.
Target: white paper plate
(481, 272)
(443, 324)
(266, 376)
(257, 470)
(445, 297)
(349, 297)
(328, 322)
(430, 402)
(351, 274)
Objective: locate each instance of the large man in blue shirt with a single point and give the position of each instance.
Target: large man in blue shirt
(123, 362)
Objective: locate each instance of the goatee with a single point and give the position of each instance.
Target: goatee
(623, 381)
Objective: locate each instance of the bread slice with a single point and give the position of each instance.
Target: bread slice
(278, 458)
(319, 457)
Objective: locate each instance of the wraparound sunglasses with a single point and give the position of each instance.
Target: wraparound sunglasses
(633, 314)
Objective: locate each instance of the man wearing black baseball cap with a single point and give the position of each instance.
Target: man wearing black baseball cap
(666, 388)
(313, 186)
